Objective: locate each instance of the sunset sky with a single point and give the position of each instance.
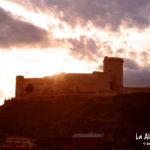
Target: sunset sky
(44, 37)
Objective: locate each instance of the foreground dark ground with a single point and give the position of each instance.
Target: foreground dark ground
(119, 117)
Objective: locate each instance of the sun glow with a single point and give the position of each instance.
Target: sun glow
(1, 101)
(36, 63)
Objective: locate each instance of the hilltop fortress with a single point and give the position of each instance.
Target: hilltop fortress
(106, 83)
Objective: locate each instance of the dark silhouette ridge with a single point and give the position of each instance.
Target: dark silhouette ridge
(64, 116)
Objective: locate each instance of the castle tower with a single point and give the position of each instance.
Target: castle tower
(114, 66)
(19, 85)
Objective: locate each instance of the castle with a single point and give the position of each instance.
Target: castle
(106, 83)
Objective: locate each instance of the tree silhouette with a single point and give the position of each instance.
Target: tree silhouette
(29, 88)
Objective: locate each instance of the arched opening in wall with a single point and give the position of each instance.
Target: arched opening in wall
(29, 88)
(111, 87)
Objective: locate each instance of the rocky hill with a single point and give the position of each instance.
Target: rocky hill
(65, 115)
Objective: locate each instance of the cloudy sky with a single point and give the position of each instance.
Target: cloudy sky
(44, 37)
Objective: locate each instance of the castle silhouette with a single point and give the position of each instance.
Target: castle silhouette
(106, 83)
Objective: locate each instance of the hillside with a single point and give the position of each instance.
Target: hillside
(65, 115)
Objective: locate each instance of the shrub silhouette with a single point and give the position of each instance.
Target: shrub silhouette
(29, 88)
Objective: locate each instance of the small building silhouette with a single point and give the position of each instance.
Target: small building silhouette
(89, 141)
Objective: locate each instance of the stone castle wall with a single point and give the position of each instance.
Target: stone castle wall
(106, 83)
(64, 84)
(129, 90)
(67, 83)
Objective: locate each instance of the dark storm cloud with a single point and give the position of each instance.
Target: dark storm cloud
(84, 44)
(17, 33)
(84, 47)
(135, 75)
(102, 13)
(138, 77)
(130, 64)
(89, 47)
